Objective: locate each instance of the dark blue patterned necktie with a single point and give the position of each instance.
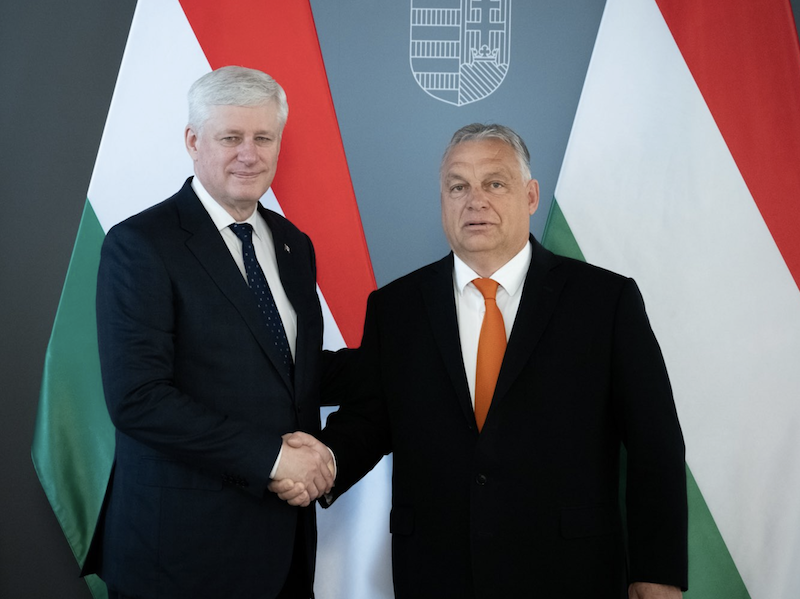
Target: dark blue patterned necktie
(266, 303)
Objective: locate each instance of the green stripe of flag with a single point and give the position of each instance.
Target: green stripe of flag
(73, 444)
(557, 236)
(712, 572)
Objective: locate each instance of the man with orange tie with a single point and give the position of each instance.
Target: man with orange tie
(505, 380)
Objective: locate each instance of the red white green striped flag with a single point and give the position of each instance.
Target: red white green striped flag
(141, 161)
(683, 171)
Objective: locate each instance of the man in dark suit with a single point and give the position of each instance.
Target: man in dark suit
(210, 334)
(506, 410)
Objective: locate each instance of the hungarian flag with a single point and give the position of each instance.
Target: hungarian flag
(142, 160)
(683, 171)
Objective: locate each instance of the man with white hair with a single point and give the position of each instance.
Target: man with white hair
(210, 335)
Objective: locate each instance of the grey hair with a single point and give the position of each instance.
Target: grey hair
(234, 86)
(481, 132)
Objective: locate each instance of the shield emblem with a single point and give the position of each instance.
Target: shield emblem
(460, 49)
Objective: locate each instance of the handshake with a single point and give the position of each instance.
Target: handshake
(305, 472)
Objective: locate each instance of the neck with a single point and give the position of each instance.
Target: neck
(240, 212)
(485, 268)
(487, 263)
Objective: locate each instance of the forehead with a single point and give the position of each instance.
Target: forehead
(261, 117)
(479, 157)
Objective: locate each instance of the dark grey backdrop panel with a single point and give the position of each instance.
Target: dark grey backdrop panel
(394, 132)
(58, 64)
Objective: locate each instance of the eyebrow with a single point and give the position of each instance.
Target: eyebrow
(498, 173)
(501, 173)
(241, 132)
(453, 176)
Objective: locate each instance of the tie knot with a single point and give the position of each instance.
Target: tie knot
(244, 231)
(488, 287)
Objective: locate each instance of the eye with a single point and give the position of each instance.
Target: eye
(496, 185)
(263, 140)
(229, 140)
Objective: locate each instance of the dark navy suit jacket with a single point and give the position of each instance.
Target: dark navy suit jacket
(199, 400)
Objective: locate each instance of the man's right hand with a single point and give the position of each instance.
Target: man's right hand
(305, 471)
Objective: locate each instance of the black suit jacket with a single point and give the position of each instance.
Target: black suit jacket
(199, 400)
(530, 506)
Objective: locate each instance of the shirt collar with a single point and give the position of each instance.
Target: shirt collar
(222, 219)
(510, 276)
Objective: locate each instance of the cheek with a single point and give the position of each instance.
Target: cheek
(209, 168)
(270, 156)
(217, 163)
(450, 219)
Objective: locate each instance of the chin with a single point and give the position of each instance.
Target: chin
(478, 244)
(251, 193)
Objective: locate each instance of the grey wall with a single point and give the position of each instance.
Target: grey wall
(58, 63)
(394, 133)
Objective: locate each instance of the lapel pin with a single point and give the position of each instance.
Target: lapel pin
(287, 249)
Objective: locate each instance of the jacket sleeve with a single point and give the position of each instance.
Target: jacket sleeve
(656, 476)
(359, 432)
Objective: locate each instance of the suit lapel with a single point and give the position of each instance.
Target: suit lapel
(210, 250)
(439, 299)
(540, 293)
(292, 274)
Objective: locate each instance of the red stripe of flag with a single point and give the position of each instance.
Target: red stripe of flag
(313, 182)
(745, 58)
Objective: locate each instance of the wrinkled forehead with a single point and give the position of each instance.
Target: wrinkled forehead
(479, 159)
(233, 116)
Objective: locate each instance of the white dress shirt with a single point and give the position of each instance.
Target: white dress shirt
(470, 305)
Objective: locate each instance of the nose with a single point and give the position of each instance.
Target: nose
(476, 199)
(247, 151)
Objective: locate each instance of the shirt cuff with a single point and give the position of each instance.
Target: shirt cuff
(277, 463)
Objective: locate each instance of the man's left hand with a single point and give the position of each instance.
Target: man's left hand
(649, 590)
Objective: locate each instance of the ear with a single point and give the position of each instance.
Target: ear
(532, 189)
(190, 138)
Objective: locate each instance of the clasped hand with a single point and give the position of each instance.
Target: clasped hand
(305, 472)
(649, 590)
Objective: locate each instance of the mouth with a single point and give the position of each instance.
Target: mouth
(472, 225)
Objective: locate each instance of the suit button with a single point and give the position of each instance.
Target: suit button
(481, 479)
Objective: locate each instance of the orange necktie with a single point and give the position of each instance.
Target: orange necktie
(491, 348)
